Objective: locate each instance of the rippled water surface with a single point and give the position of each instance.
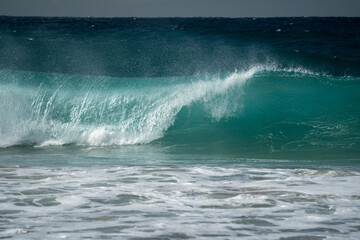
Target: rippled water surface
(179, 202)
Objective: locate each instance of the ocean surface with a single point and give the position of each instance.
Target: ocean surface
(179, 128)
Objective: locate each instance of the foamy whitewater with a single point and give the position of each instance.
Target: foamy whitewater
(179, 128)
(99, 117)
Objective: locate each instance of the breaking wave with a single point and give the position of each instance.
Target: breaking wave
(272, 109)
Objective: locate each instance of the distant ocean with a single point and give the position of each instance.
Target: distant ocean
(179, 128)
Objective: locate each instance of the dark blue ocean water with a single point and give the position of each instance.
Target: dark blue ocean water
(176, 128)
(133, 47)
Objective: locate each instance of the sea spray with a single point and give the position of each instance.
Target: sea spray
(58, 114)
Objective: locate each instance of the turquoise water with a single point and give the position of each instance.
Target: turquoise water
(261, 112)
(179, 128)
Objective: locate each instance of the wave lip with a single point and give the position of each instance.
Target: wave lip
(54, 111)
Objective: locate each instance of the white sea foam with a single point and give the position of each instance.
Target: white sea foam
(152, 201)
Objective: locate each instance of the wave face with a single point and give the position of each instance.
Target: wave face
(283, 87)
(262, 110)
(52, 109)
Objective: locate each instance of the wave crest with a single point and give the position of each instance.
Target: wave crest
(53, 111)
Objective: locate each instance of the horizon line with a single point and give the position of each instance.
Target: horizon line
(146, 17)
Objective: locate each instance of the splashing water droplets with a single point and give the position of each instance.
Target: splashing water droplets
(62, 112)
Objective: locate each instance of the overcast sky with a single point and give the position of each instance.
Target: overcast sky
(180, 8)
